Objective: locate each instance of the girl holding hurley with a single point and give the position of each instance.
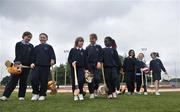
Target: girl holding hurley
(77, 61)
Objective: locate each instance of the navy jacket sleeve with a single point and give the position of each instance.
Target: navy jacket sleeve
(100, 55)
(52, 54)
(162, 66)
(70, 60)
(32, 54)
(86, 60)
(124, 65)
(150, 66)
(101, 58)
(117, 59)
(17, 52)
(33, 59)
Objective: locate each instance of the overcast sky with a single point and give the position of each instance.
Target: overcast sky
(151, 24)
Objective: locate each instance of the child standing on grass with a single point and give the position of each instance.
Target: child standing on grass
(94, 55)
(23, 52)
(77, 57)
(155, 67)
(129, 68)
(139, 66)
(111, 65)
(117, 87)
(43, 58)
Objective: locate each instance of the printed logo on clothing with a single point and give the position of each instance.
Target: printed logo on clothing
(82, 53)
(45, 48)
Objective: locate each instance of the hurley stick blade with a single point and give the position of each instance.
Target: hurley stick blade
(76, 91)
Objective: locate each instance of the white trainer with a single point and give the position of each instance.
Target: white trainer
(76, 98)
(21, 99)
(128, 93)
(42, 98)
(118, 92)
(110, 96)
(92, 96)
(81, 98)
(35, 97)
(157, 94)
(95, 93)
(114, 95)
(145, 93)
(3, 98)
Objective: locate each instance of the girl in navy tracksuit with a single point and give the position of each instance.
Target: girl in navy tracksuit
(23, 51)
(111, 66)
(129, 68)
(77, 56)
(43, 58)
(139, 66)
(94, 55)
(118, 70)
(155, 67)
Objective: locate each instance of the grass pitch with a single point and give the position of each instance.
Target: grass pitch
(167, 102)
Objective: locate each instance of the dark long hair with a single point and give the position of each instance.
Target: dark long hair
(77, 40)
(130, 53)
(113, 44)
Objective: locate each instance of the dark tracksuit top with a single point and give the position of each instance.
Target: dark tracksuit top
(78, 55)
(156, 66)
(129, 68)
(23, 53)
(94, 55)
(139, 65)
(43, 53)
(111, 64)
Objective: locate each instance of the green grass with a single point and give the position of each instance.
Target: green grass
(167, 102)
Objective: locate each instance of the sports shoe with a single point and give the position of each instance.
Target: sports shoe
(81, 98)
(76, 98)
(42, 98)
(157, 94)
(92, 96)
(95, 93)
(128, 93)
(145, 93)
(21, 99)
(118, 92)
(114, 95)
(35, 97)
(110, 96)
(3, 98)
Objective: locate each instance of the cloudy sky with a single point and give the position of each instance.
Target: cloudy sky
(137, 24)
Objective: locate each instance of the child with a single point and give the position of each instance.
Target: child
(94, 55)
(111, 64)
(114, 46)
(23, 52)
(155, 67)
(43, 58)
(129, 68)
(139, 66)
(77, 57)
